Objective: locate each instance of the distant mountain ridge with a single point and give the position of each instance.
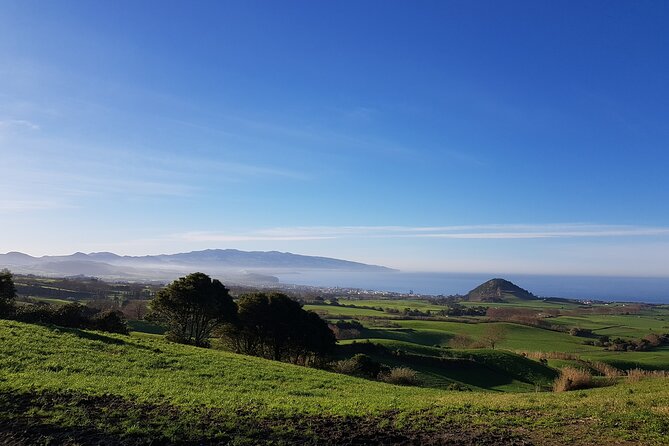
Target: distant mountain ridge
(495, 290)
(229, 261)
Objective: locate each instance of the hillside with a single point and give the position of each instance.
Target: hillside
(59, 384)
(496, 290)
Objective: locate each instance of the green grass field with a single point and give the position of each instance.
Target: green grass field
(54, 373)
(335, 311)
(429, 333)
(494, 370)
(142, 387)
(52, 301)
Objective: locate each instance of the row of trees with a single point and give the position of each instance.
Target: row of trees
(72, 315)
(196, 308)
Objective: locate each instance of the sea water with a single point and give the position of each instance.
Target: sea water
(637, 289)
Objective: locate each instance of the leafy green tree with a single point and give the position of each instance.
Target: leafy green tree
(7, 293)
(274, 326)
(192, 307)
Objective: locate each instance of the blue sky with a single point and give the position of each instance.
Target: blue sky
(435, 135)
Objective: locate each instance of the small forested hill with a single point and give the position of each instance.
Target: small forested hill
(495, 290)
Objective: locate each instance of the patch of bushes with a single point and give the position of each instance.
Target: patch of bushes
(363, 366)
(637, 374)
(455, 309)
(644, 344)
(72, 315)
(458, 387)
(112, 321)
(346, 329)
(360, 365)
(580, 332)
(403, 376)
(572, 378)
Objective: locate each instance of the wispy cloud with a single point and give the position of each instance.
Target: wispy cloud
(499, 231)
(21, 123)
(197, 236)
(30, 205)
(54, 172)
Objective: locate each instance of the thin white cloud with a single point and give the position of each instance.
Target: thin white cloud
(498, 231)
(8, 123)
(30, 205)
(230, 237)
(52, 173)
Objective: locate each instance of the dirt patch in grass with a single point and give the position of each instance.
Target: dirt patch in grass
(74, 419)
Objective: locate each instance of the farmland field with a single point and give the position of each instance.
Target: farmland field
(416, 333)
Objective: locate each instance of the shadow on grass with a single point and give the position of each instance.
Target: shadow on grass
(95, 336)
(422, 337)
(80, 333)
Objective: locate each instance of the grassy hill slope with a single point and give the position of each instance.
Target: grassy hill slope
(57, 385)
(480, 369)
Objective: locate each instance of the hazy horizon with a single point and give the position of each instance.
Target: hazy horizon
(482, 273)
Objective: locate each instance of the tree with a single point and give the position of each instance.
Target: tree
(7, 293)
(274, 326)
(192, 307)
(493, 334)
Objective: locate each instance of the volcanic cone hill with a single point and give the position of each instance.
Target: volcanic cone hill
(496, 290)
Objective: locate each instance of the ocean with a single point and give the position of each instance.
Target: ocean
(634, 289)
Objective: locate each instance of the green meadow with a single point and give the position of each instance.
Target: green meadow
(141, 388)
(65, 384)
(416, 334)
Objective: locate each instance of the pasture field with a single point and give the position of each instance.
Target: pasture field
(511, 301)
(336, 311)
(484, 369)
(657, 359)
(517, 337)
(626, 326)
(398, 304)
(59, 383)
(52, 301)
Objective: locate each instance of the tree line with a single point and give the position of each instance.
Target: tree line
(71, 315)
(271, 325)
(196, 309)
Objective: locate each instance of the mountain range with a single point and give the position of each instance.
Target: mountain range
(239, 266)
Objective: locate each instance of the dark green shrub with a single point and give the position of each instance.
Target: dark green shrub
(111, 321)
(7, 293)
(359, 365)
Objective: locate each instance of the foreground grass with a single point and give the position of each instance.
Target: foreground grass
(55, 373)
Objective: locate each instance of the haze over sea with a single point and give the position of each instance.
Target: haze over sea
(634, 289)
